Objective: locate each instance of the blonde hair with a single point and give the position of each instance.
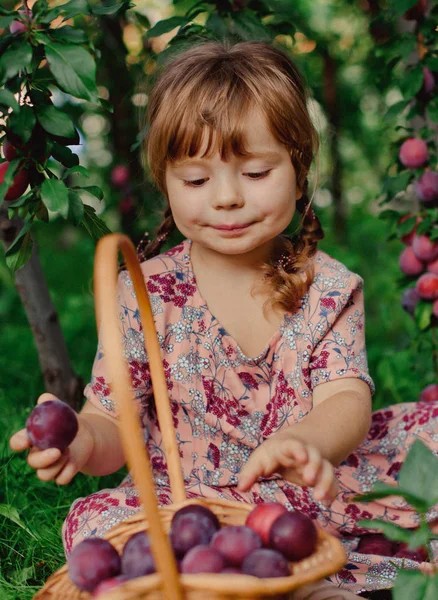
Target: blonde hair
(212, 84)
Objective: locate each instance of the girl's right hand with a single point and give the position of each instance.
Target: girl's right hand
(52, 463)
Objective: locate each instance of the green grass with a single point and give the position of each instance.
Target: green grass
(32, 549)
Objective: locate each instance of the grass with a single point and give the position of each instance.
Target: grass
(32, 512)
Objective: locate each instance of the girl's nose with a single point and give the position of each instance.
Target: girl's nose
(227, 195)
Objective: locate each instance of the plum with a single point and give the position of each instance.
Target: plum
(120, 175)
(413, 153)
(91, 562)
(424, 248)
(190, 530)
(426, 187)
(293, 534)
(417, 12)
(199, 510)
(410, 299)
(260, 519)
(429, 393)
(376, 543)
(108, 585)
(266, 562)
(52, 424)
(202, 559)
(9, 151)
(137, 559)
(427, 286)
(19, 183)
(432, 266)
(235, 542)
(409, 263)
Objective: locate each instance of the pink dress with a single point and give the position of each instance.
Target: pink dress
(225, 404)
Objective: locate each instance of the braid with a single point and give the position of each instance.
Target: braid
(149, 248)
(291, 271)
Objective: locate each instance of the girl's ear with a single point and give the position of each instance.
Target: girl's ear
(299, 194)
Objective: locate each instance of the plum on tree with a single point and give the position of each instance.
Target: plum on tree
(410, 299)
(266, 562)
(417, 12)
(261, 517)
(409, 263)
(294, 535)
(424, 248)
(202, 559)
(413, 153)
(52, 424)
(19, 183)
(427, 286)
(91, 562)
(235, 542)
(426, 187)
(137, 559)
(429, 393)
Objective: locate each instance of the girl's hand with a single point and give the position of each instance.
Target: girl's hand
(52, 463)
(296, 461)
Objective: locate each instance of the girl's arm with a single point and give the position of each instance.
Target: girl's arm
(339, 421)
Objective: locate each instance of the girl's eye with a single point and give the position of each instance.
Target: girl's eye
(199, 182)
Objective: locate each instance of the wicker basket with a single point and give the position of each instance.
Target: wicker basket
(167, 583)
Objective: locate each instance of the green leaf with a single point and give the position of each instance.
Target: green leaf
(395, 109)
(419, 473)
(55, 121)
(399, 7)
(77, 169)
(74, 70)
(7, 11)
(432, 110)
(11, 513)
(18, 241)
(16, 58)
(6, 21)
(93, 224)
(75, 7)
(94, 190)
(7, 99)
(431, 62)
(423, 314)
(389, 530)
(381, 490)
(248, 26)
(23, 122)
(76, 208)
(166, 25)
(412, 82)
(109, 10)
(403, 47)
(393, 185)
(64, 155)
(406, 226)
(22, 253)
(54, 194)
(410, 585)
(217, 25)
(68, 34)
(143, 20)
(9, 177)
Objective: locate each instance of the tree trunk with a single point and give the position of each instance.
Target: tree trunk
(332, 108)
(59, 378)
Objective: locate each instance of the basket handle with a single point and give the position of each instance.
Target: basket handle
(137, 457)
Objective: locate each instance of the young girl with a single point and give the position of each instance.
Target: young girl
(262, 334)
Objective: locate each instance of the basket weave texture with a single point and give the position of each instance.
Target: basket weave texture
(167, 583)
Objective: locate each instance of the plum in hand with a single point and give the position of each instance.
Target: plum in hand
(91, 562)
(235, 542)
(294, 535)
(137, 559)
(266, 562)
(52, 424)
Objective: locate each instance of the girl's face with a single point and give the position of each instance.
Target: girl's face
(237, 206)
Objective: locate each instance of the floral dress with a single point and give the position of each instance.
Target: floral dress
(225, 404)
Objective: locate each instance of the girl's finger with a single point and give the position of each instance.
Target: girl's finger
(67, 473)
(41, 459)
(324, 481)
(19, 441)
(53, 471)
(310, 471)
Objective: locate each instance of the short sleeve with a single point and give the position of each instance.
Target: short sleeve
(98, 391)
(341, 352)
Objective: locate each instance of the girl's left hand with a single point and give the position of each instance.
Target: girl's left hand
(296, 461)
